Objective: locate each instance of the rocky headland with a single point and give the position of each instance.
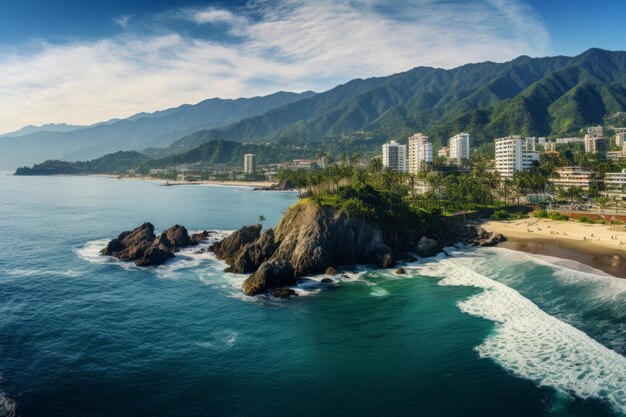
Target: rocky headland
(144, 248)
(312, 238)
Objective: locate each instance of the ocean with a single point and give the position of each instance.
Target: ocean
(484, 332)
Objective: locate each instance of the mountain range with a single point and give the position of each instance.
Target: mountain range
(529, 96)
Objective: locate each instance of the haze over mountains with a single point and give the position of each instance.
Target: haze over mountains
(136, 132)
(528, 96)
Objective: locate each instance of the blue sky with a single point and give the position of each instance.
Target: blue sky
(85, 61)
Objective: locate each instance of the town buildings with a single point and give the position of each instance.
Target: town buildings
(459, 147)
(615, 185)
(394, 156)
(444, 152)
(512, 155)
(620, 141)
(595, 144)
(420, 153)
(249, 163)
(573, 176)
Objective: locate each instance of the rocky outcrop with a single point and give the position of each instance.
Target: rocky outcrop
(201, 237)
(252, 255)
(427, 247)
(143, 247)
(230, 248)
(271, 274)
(482, 237)
(283, 185)
(177, 237)
(284, 293)
(313, 239)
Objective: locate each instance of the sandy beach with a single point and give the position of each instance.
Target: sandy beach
(599, 246)
(230, 183)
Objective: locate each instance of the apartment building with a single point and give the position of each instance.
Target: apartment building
(513, 156)
(420, 153)
(394, 156)
(595, 144)
(459, 146)
(249, 163)
(573, 176)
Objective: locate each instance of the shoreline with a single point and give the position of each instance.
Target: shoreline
(573, 241)
(225, 183)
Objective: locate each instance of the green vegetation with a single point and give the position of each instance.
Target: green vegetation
(541, 214)
(115, 163)
(555, 215)
(585, 219)
(526, 96)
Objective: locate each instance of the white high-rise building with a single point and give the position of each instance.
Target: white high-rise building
(249, 163)
(420, 152)
(595, 131)
(394, 156)
(459, 147)
(513, 155)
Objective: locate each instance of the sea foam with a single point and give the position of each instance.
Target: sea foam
(532, 344)
(7, 406)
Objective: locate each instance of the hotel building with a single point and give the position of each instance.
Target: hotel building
(249, 163)
(573, 177)
(394, 156)
(459, 147)
(420, 153)
(513, 156)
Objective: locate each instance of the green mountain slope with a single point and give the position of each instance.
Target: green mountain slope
(118, 162)
(530, 96)
(136, 132)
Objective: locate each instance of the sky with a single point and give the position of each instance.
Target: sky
(82, 62)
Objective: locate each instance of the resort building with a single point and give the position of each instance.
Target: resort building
(614, 155)
(549, 147)
(249, 163)
(459, 147)
(512, 156)
(595, 144)
(620, 139)
(444, 152)
(595, 131)
(394, 156)
(420, 153)
(573, 177)
(615, 185)
(569, 140)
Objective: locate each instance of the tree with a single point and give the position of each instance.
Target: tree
(261, 219)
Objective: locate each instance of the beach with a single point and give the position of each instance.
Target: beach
(230, 183)
(599, 246)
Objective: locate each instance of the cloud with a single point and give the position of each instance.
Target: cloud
(123, 21)
(268, 45)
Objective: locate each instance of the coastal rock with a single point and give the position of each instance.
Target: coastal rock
(269, 275)
(143, 247)
(284, 293)
(131, 245)
(252, 255)
(200, 237)
(156, 254)
(427, 247)
(176, 237)
(330, 271)
(493, 239)
(400, 271)
(327, 281)
(230, 248)
(283, 185)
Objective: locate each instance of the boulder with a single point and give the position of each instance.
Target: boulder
(177, 237)
(400, 271)
(252, 255)
(200, 237)
(155, 255)
(284, 293)
(331, 271)
(131, 245)
(427, 247)
(492, 240)
(327, 281)
(269, 275)
(229, 248)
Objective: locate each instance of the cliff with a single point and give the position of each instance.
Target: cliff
(311, 238)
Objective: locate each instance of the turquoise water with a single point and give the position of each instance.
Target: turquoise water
(486, 332)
